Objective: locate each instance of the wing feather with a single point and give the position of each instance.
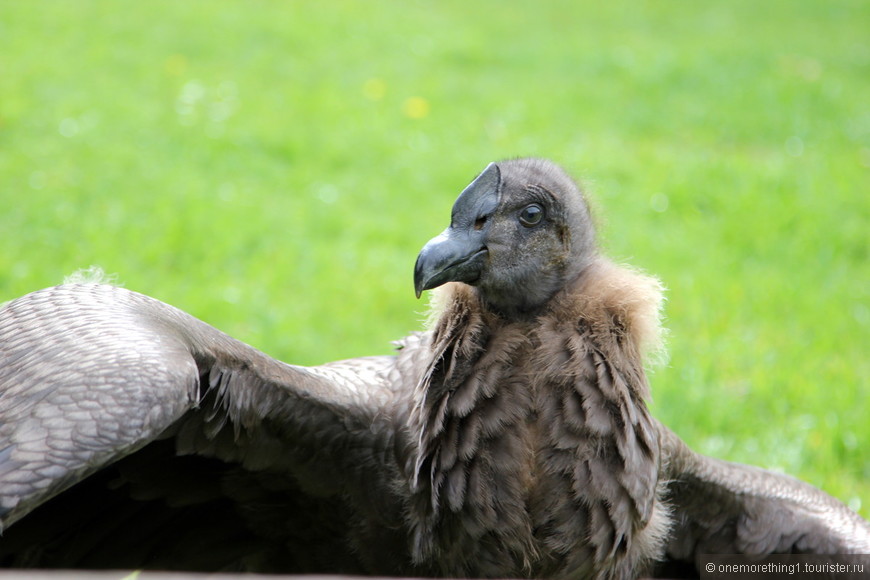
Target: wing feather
(725, 507)
(91, 373)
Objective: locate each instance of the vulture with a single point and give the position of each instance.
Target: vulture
(510, 438)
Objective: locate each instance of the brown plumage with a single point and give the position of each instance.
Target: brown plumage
(511, 438)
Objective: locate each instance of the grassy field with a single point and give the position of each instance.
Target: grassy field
(273, 168)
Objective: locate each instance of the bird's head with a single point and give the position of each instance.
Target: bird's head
(519, 232)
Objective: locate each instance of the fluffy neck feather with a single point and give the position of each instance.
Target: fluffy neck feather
(490, 380)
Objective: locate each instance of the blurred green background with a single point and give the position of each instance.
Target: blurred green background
(274, 167)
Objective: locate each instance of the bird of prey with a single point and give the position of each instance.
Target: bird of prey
(511, 438)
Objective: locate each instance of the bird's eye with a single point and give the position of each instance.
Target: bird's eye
(531, 215)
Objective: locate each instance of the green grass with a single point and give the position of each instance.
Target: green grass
(274, 168)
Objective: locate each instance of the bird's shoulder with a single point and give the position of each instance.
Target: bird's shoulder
(614, 302)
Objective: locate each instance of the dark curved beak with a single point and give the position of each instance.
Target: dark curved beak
(459, 253)
(453, 256)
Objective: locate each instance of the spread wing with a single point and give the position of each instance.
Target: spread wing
(729, 508)
(90, 374)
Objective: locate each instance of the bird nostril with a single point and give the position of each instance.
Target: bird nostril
(480, 222)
